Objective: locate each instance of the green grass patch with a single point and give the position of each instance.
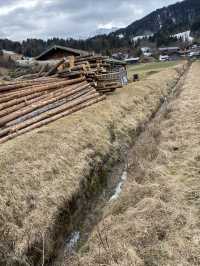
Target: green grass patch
(147, 69)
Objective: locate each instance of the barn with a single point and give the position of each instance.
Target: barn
(58, 52)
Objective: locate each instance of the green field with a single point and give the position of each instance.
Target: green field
(147, 69)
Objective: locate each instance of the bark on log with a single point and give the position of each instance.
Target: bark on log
(53, 70)
(55, 111)
(42, 88)
(52, 119)
(17, 104)
(40, 104)
(78, 67)
(50, 106)
(20, 100)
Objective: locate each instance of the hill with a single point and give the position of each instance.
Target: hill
(160, 25)
(179, 17)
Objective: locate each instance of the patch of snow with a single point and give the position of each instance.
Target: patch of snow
(159, 21)
(184, 35)
(119, 187)
(174, 20)
(120, 36)
(136, 38)
(72, 241)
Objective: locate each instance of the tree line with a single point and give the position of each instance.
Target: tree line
(33, 47)
(100, 44)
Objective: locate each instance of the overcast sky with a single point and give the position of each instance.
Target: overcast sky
(21, 19)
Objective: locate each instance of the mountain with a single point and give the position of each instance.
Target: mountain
(164, 26)
(100, 31)
(103, 31)
(180, 17)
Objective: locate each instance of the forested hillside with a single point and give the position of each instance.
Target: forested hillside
(160, 25)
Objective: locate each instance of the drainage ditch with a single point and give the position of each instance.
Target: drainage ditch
(104, 184)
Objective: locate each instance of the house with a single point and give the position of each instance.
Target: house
(145, 49)
(164, 58)
(170, 53)
(147, 54)
(168, 50)
(194, 54)
(132, 60)
(11, 55)
(120, 56)
(115, 62)
(58, 52)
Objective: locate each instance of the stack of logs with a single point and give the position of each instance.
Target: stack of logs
(36, 100)
(95, 68)
(26, 105)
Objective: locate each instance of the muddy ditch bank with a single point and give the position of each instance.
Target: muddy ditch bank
(49, 176)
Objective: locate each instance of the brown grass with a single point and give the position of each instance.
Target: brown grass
(156, 219)
(42, 171)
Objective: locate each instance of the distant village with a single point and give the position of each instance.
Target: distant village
(170, 53)
(146, 55)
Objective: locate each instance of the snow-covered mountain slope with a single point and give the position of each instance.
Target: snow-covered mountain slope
(176, 18)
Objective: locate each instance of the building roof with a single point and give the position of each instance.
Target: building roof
(59, 47)
(168, 48)
(132, 59)
(114, 61)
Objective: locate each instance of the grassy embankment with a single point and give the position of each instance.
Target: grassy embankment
(44, 171)
(155, 221)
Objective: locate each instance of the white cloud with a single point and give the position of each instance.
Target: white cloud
(21, 19)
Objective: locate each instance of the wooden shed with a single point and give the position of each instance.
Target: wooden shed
(58, 52)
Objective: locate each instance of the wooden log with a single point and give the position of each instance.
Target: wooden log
(71, 61)
(53, 118)
(20, 100)
(12, 116)
(22, 84)
(86, 63)
(31, 85)
(53, 112)
(70, 75)
(14, 86)
(42, 88)
(48, 107)
(53, 70)
(85, 92)
(95, 65)
(78, 68)
(106, 90)
(26, 102)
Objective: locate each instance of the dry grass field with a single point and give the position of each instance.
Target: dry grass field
(155, 221)
(43, 172)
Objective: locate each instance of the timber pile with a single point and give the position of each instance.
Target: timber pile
(26, 105)
(95, 68)
(37, 99)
